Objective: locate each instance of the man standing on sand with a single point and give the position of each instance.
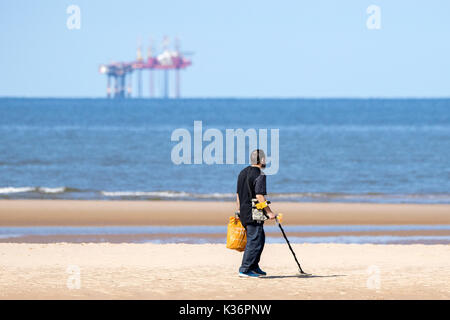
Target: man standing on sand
(251, 184)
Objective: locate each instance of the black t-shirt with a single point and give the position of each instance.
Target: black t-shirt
(257, 181)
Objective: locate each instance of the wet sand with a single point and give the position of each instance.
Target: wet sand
(108, 213)
(209, 237)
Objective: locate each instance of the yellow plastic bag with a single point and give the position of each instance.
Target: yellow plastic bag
(236, 235)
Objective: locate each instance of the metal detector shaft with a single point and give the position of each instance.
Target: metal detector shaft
(293, 253)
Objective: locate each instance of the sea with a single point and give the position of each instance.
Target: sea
(329, 150)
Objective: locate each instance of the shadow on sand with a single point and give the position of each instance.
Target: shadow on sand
(302, 276)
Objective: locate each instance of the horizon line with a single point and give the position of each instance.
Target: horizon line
(239, 98)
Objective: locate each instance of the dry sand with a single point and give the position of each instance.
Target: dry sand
(209, 271)
(96, 213)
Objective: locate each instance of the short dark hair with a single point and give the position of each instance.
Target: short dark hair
(256, 156)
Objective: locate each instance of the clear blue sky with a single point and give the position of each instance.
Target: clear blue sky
(250, 48)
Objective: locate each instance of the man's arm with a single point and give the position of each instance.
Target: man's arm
(260, 190)
(267, 209)
(238, 206)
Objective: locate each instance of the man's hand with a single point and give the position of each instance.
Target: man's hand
(271, 215)
(267, 209)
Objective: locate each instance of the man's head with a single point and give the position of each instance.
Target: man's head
(258, 158)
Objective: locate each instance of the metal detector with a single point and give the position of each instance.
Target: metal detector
(289, 244)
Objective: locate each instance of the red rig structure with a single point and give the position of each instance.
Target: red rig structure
(122, 72)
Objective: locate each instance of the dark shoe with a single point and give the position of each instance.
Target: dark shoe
(260, 272)
(249, 274)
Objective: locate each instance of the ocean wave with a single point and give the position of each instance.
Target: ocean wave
(51, 190)
(292, 196)
(166, 194)
(65, 192)
(360, 196)
(8, 190)
(43, 190)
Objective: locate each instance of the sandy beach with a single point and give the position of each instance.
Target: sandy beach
(98, 213)
(209, 271)
(44, 268)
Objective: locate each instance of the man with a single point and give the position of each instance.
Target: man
(252, 180)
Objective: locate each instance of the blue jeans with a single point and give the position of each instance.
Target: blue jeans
(255, 245)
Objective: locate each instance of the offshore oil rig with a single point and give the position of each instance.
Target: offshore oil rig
(122, 72)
